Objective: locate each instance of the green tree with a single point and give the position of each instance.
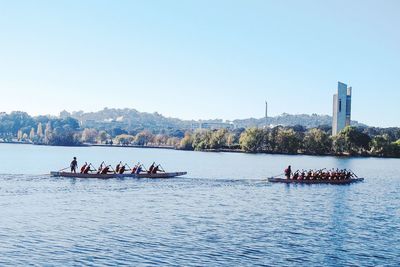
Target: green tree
(272, 144)
(124, 139)
(61, 136)
(201, 139)
(186, 142)
(252, 140)
(143, 138)
(351, 140)
(380, 145)
(288, 141)
(232, 140)
(218, 139)
(317, 142)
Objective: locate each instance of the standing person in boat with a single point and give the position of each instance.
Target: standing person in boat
(288, 172)
(74, 165)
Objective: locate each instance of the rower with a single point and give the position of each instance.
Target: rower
(87, 169)
(105, 170)
(296, 175)
(119, 165)
(288, 172)
(134, 168)
(151, 168)
(139, 169)
(155, 169)
(302, 175)
(100, 168)
(83, 168)
(121, 170)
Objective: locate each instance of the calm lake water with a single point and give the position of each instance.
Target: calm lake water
(223, 213)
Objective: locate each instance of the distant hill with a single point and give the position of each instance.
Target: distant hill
(308, 121)
(130, 119)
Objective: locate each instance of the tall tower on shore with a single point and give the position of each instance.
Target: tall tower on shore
(266, 113)
(341, 108)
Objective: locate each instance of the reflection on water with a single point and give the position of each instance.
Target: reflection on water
(223, 213)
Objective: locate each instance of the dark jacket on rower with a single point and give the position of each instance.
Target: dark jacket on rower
(121, 170)
(105, 170)
(151, 168)
(155, 169)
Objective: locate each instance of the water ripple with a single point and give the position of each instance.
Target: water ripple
(197, 222)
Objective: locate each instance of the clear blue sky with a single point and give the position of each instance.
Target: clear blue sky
(201, 59)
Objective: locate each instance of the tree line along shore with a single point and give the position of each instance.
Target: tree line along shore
(351, 141)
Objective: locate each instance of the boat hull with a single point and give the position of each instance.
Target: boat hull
(303, 181)
(160, 175)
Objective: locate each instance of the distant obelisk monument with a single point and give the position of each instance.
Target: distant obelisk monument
(341, 108)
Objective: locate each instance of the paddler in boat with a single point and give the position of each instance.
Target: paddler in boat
(100, 168)
(296, 175)
(105, 170)
(119, 165)
(288, 172)
(135, 168)
(88, 169)
(302, 175)
(74, 165)
(155, 169)
(139, 169)
(121, 169)
(151, 167)
(83, 168)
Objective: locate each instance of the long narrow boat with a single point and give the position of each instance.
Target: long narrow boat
(306, 181)
(115, 175)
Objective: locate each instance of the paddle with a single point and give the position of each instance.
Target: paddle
(101, 165)
(354, 174)
(90, 164)
(136, 167)
(112, 168)
(162, 169)
(277, 175)
(144, 168)
(126, 164)
(64, 169)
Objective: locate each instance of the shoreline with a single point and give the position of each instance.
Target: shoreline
(224, 150)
